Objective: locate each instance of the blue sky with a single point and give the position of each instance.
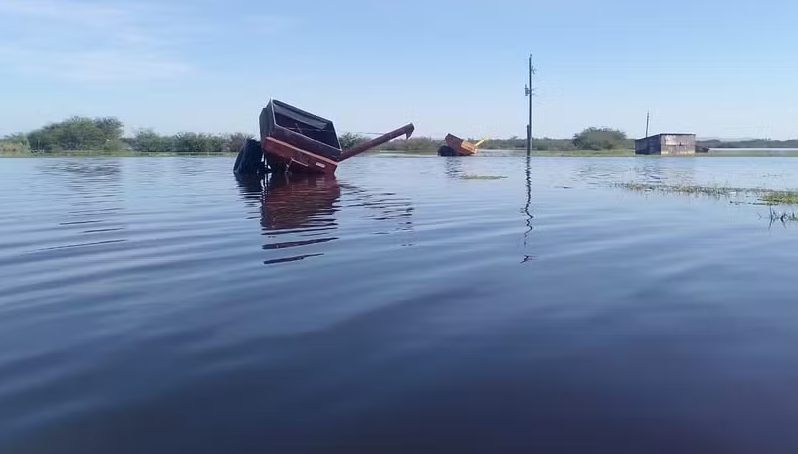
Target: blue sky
(706, 66)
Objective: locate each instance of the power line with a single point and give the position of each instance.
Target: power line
(296, 129)
(365, 133)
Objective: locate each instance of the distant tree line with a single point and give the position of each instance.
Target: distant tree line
(106, 134)
(14, 143)
(349, 140)
(538, 144)
(148, 141)
(78, 133)
(412, 144)
(589, 139)
(602, 139)
(751, 143)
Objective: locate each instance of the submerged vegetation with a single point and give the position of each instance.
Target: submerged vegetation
(715, 191)
(781, 198)
(764, 196)
(783, 216)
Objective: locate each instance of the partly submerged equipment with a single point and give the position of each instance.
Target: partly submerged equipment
(456, 146)
(296, 141)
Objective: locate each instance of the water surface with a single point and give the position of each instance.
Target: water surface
(160, 305)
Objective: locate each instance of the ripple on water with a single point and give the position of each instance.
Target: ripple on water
(161, 305)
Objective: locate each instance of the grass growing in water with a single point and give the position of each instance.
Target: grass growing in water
(783, 216)
(715, 191)
(766, 196)
(781, 198)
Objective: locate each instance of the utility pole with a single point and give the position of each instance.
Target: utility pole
(528, 91)
(647, 117)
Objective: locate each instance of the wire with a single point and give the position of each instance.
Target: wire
(364, 133)
(296, 129)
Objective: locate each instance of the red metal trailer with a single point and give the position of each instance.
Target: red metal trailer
(297, 141)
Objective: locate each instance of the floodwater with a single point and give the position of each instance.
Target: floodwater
(161, 306)
(783, 152)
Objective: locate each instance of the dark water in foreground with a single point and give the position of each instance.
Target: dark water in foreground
(158, 306)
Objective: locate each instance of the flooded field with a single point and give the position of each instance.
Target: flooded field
(412, 304)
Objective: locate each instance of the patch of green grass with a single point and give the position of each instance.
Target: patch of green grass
(715, 191)
(780, 198)
(766, 196)
(481, 177)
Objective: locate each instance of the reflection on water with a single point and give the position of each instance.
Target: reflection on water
(300, 210)
(300, 204)
(527, 205)
(646, 170)
(89, 198)
(75, 170)
(384, 206)
(404, 309)
(652, 171)
(299, 207)
(453, 166)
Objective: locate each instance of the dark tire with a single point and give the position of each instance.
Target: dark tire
(274, 165)
(250, 159)
(446, 151)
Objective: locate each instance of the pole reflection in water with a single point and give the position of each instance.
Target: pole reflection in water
(527, 212)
